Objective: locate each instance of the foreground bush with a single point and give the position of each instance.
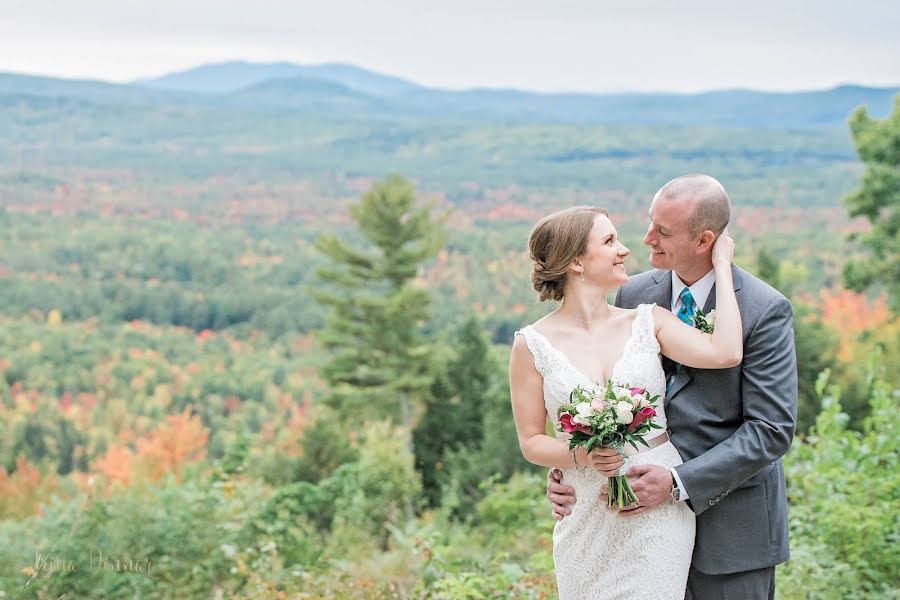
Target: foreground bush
(349, 536)
(844, 494)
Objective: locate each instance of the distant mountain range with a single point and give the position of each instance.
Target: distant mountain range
(347, 91)
(233, 76)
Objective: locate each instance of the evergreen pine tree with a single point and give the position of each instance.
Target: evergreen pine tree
(878, 199)
(768, 270)
(454, 406)
(379, 357)
(815, 345)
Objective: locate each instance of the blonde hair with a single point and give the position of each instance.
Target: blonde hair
(554, 243)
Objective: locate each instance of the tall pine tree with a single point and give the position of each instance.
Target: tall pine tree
(454, 406)
(379, 359)
(815, 345)
(878, 199)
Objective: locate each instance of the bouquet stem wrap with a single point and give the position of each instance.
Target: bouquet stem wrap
(620, 492)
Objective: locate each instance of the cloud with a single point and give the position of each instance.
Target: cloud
(564, 45)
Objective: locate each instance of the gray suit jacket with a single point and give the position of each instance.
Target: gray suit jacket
(732, 426)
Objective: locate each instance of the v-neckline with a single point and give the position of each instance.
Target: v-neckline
(579, 371)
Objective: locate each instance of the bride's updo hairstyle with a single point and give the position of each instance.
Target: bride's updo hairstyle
(554, 243)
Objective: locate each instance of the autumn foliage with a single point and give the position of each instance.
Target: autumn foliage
(851, 315)
(22, 491)
(179, 441)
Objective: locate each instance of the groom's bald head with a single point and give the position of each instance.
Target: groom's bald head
(710, 208)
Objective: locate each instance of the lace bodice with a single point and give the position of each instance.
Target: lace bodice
(638, 366)
(596, 552)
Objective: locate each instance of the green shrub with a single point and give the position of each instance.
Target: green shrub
(844, 494)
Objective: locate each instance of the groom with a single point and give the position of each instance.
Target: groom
(731, 426)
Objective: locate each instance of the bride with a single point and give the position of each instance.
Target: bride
(577, 258)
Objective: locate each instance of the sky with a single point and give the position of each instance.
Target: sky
(541, 45)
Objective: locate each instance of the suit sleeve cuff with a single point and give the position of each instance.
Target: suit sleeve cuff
(682, 490)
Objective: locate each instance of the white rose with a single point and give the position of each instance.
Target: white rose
(581, 420)
(584, 409)
(623, 395)
(644, 403)
(623, 412)
(711, 318)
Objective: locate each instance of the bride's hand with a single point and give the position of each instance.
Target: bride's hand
(723, 250)
(606, 460)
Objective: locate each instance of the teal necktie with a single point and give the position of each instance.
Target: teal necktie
(687, 309)
(686, 314)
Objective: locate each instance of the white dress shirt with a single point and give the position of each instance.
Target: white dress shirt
(700, 291)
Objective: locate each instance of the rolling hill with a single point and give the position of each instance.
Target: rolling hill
(349, 92)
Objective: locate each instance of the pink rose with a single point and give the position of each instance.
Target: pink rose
(569, 426)
(598, 405)
(642, 415)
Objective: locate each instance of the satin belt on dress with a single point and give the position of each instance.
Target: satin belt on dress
(653, 442)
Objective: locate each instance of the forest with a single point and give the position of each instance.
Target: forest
(251, 352)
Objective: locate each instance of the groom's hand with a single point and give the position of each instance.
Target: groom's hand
(652, 484)
(560, 496)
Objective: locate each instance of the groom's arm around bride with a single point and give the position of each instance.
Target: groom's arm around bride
(730, 426)
(760, 393)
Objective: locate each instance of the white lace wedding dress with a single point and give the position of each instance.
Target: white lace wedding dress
(598, 554)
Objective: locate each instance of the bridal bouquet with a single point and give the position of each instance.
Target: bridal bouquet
(619, 415)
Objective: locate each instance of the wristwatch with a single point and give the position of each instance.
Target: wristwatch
(676, 491)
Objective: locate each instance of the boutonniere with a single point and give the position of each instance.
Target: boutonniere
(705, 323)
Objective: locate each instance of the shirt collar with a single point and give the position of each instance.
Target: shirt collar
(700, 290)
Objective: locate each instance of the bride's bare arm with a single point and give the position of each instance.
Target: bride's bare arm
(723, 348)
(527, 390)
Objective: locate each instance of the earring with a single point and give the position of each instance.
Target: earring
(582, 277)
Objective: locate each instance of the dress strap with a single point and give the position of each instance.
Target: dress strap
(643, 330)
(539, 348)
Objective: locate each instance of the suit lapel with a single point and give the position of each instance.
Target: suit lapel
(685, 374)
(711, 299)
(683, 377)
(661, 292)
